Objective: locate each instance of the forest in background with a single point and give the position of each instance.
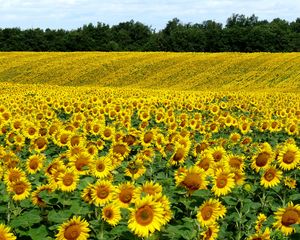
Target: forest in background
(239, 34)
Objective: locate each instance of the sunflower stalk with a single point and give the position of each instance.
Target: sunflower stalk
(101, 234)
(238, 223)
(8, 211)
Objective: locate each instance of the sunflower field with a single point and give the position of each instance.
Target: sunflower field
(94, 162)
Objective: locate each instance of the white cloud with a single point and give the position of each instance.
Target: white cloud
(75, 13)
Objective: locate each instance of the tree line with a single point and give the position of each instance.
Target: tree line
(240, 34)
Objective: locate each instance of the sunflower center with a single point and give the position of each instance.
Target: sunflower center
(204, 164)
(19, 188)
(100, 167)
(80, 163)
(125, 196)
(289, 157)
(221, 181)
(31, 131)
(64, 138)
(206, 212)
(179, 154)
(208, 234)
(75, 140)
(33, 164)
(144, 215)
(270, 175)
(148, 137)
(290, 217)
(129, 139)
(107, 133)
(41, 142)
(108, 213)
(102, 192)
(120, 149)
(68, 180)
(192, 181)
(72, 232)
(262, 159)
(217, 156)
(235, 162)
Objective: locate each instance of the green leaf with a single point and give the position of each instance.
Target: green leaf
(294, 197)
(38, 233)
(230, 201)
(27, 219)
(59, 217)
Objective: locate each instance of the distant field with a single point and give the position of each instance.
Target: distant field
(181, 71)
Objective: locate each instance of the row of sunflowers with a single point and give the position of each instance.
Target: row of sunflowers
(107, 163)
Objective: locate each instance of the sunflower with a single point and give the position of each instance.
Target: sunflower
(62, 138)
(74, 150)
(261, 235)
(86, 194)
(56, 165)
(210, 211)
(148, 188)
(123, 194)
(146, 217)
(290, 182)
(5, 233)
(20, 189)
(234, 137)
(35, 197)
(239, 177)
(236, 162)
(263, 158)
(260, 220)
(147, 138)
(101, 167)
(91, 148)
(111, 213)
(244, 127)
(286, 217)
(218, 153)
(135, 169)
(205, 162)
(30, 130)
(223, 182)
(96, 127)
(35, 163)
(67, 181)
(200, 147)
(108, 133)
(13, 175)
(75, 140)
(179, 155)
(102, 192)
(210, 232)
(193, 179)
(289, 157)
(81, 163)
(40, 144)
(166, 204)
(120, 149)
(75, 228)
(271, 177)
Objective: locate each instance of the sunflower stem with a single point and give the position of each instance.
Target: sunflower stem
(102, 230)
(8, 211)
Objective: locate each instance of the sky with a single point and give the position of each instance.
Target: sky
(72, 14)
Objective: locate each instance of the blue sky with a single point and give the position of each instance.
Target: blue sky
(71, 14)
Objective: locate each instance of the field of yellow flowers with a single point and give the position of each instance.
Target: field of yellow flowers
(94, 162)
(180, 71)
